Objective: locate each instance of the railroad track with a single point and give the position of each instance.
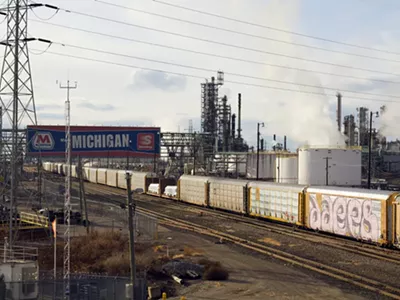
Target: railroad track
(350, 246)
(360, 281)
(116, 196)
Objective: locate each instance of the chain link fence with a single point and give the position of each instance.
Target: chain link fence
(82, 287)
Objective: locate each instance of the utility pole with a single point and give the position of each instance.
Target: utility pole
(67, 202)
(371, 114)
(258, 148)
(131, 213)
(327, 170)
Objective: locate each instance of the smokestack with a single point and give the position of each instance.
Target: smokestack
(339, 111)
(233, 125)
(274, 147)
(274, 137)
(262, 144)
(284, 143)
(240, 116)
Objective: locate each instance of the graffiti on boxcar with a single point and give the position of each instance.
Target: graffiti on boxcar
(345, 216)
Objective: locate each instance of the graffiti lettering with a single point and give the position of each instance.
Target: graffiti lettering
(344, 216)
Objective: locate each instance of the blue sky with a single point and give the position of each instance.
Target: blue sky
(120, 95)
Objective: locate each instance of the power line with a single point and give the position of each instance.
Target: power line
(203, 77)
(275, 28)
(215, 71)
(223, 44)
(245, 33)
(212, 54)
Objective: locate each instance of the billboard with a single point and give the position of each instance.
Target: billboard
(94, 141)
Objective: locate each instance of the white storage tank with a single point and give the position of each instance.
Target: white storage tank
(286, 169)
(344, 166)
(267, 167)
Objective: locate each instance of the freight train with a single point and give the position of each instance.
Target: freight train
(366, 215)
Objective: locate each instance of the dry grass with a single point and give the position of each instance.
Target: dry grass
(270, 241)
(213, 270)
(106, 253)
(188, 251)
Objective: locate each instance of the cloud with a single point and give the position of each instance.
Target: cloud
(163, 98)
(96, 107)
(42, 107)
(146, 80)
(51, 116)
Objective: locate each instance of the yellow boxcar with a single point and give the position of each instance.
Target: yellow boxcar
(279, 202)
(357, 213)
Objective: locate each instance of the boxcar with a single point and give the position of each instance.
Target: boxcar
(93, 175)
(193, 189)
(102, 176)
(228, 194)
(112, 178)
(280, 202)
(86, 173)
(357, 213)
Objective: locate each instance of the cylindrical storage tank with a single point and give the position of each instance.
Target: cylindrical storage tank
(228, 194)
(102, 176)
(266, 170)
(281, 202)
(237, 163)
(193, 189)
(286, 169)
(93, 175)
(329, 166)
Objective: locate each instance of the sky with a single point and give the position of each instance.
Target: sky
(124, 93)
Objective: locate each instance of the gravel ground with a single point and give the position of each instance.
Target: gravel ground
(385, 272)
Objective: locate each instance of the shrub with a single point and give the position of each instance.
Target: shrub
(214, 270)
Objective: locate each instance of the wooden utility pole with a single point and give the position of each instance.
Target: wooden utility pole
(327, 169)
(131, 212)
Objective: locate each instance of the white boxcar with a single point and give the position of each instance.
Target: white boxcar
(60, 169)
(228, 194)
(112, 178)
(344, 166)
(138, 180)
(86, 173)
(73, 171)
(357, 213)
(286, 169)
(121, 180)
(281, 202)
(193, 189)
(93, 175)
(102, 176)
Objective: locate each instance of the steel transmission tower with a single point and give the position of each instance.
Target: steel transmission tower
(16, 95)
